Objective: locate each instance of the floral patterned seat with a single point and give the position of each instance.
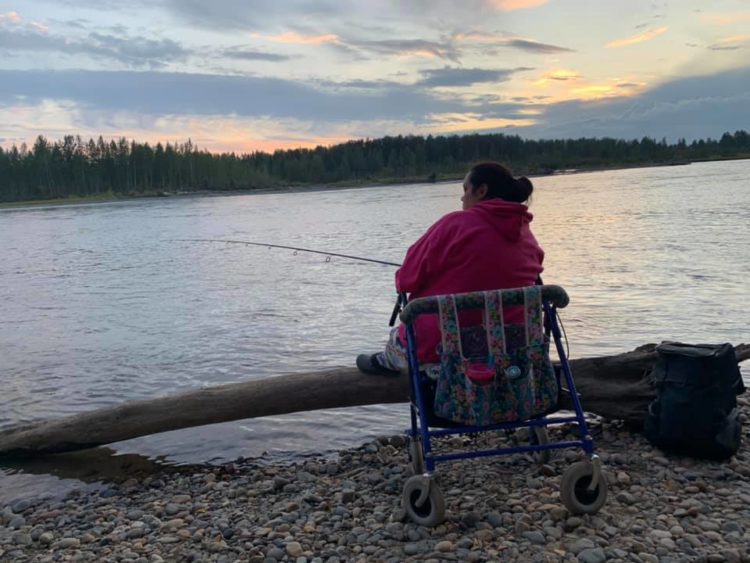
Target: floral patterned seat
(518, 381)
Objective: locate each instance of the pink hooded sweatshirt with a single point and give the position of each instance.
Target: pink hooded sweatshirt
(489, 246)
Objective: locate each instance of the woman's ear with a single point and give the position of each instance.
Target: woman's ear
(482, 191)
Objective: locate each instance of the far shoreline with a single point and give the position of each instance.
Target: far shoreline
(298, 188)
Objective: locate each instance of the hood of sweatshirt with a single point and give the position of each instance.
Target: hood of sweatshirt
(507, 218)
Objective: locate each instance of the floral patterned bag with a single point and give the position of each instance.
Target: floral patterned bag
(513, 384)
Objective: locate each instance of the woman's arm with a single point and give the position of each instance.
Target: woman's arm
(424, 257)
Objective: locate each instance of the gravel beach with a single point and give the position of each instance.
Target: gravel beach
(660, 509)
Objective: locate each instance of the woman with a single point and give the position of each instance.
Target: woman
(487, 245)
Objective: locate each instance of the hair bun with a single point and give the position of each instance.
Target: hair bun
(524, 188)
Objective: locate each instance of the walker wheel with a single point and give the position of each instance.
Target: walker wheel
(574, 489)
(415, 455)
(423, 501)
(540, 436)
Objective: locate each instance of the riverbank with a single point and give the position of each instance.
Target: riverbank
(296, 188)
(660, 509)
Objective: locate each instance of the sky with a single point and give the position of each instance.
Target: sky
(249, 75)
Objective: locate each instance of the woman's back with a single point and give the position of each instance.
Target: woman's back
(489, 246)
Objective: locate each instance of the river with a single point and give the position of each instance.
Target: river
(102, 303)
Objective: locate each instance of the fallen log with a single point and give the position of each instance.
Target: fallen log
(615, 387)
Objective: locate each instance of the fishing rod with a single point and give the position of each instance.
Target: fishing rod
(295, 248)
(400, 301)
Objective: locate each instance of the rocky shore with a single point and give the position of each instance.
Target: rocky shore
(660, 509)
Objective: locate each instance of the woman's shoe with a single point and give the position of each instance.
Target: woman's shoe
(369, 364)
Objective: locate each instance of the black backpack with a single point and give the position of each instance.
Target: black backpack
(695, 411)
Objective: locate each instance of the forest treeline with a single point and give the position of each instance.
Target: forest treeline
(75, 167)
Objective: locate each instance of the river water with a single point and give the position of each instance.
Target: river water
(100, 303)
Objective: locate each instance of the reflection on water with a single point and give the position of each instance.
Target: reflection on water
(100, 303)
(90, 466)
(54, 475)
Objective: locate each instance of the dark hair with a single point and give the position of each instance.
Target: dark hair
(500, 182)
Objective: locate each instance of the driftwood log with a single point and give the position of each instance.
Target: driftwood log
(614, 387)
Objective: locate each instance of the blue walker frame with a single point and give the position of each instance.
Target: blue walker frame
(420, 429)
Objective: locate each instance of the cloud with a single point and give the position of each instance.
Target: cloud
(726, 18)
(408, 47)
(595, 92)
(39, 27)
(635, 39)
(11, 17)
(731, 43)
(130, 51)
(510, 5)
(243, 54)
(358, 47)
(243, 15)
(448, 76)
(165, 93)
(294, 38)
(469, 123)
(536, 47)
(559, 75)
(693, 108)
(528, 45)
(358, 84)
(219, 111)
(135, 51)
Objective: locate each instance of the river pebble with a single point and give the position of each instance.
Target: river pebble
(661, 509)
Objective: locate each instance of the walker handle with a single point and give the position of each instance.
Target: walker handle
(553, 294)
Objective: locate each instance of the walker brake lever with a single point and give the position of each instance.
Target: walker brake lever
(396, 309)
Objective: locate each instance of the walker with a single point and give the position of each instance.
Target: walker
(509, 385)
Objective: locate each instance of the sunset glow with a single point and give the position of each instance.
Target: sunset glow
(635, 39)
(235, 78)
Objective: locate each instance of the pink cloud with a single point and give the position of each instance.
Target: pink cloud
(11, 17)
(511, 5)
(635, 39)
(294, 38)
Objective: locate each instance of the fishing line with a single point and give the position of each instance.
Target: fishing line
(401, 298)
(294, 248)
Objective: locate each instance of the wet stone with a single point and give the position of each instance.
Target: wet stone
(444, 546)
(20, 506)
(17, 522)
(66, 543)
(495, 519)
(412, 549)
(535, 537)
(294, 549)
(595, 555)
(46, 538)
(470, 519)
(581, 544)
(572, 523)
(728, 527)
(22, 539)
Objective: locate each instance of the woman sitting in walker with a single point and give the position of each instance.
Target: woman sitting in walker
(487, 245)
